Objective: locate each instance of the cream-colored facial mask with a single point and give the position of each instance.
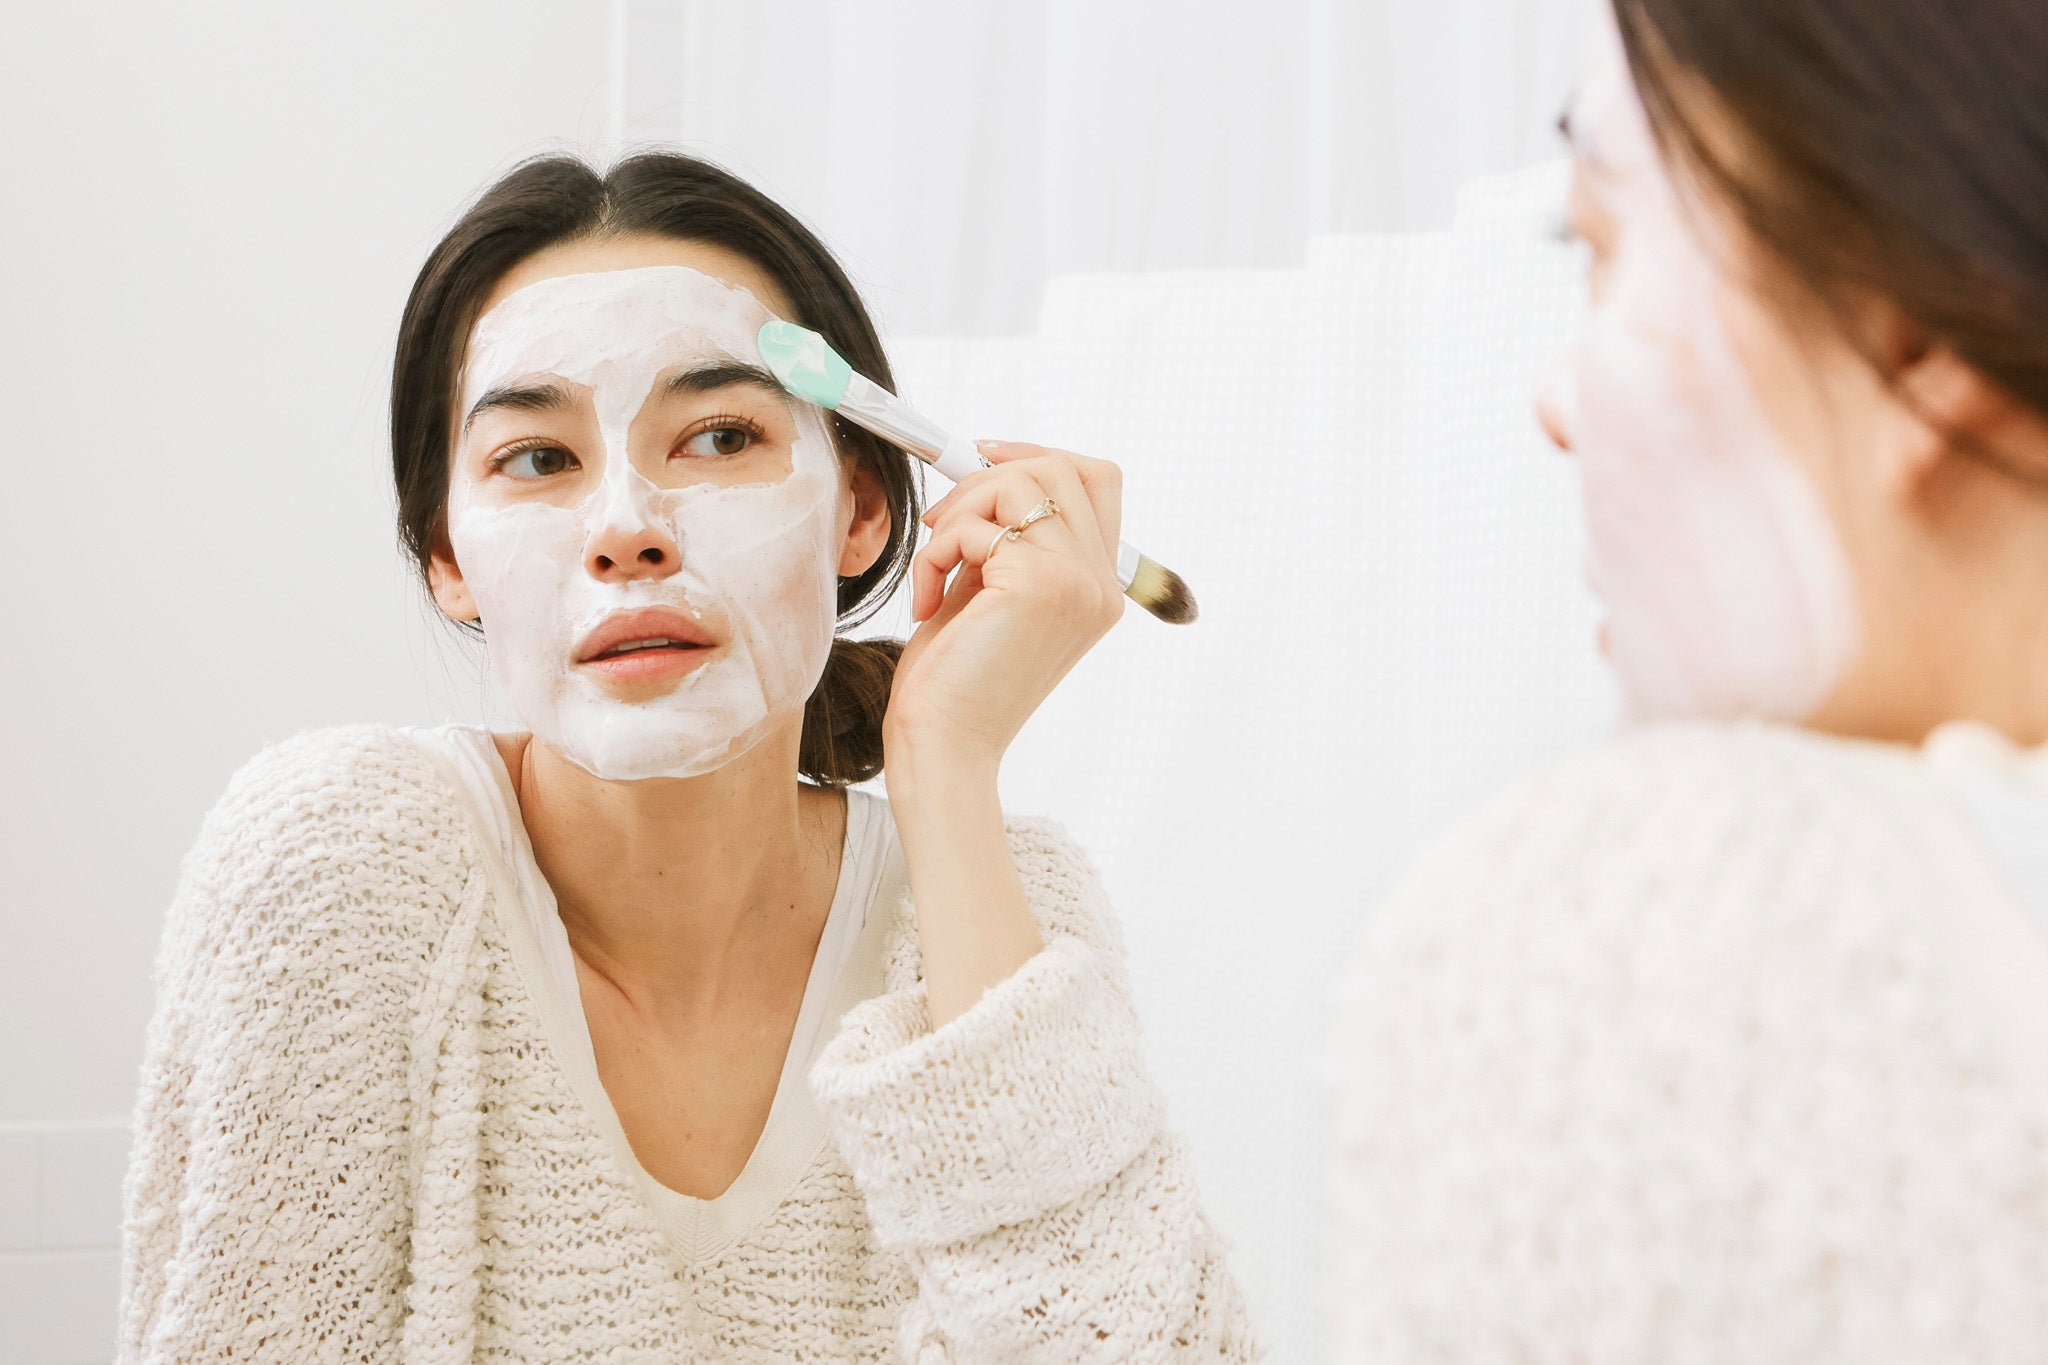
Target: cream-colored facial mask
(1728, 591)
(754, 564)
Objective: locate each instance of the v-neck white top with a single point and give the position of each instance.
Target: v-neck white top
(846, 970)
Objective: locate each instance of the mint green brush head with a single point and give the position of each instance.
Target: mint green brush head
(804, 363)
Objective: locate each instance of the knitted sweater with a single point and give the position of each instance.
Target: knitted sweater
(353, 1142)
(1728, 1044)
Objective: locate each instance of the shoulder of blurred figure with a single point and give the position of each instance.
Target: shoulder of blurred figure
(1745, 816)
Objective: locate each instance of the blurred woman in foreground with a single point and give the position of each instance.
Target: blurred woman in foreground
(1727, 1043)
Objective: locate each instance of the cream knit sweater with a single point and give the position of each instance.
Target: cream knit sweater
(354, 1144)
(1729, 1045)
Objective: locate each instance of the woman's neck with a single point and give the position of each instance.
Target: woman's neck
(1959, 617)
(669, 888)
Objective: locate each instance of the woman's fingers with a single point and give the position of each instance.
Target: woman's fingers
(1008, 495)
(1073, 480)
(952, 546)
(1016, 497)
(1103, 479)
(1089, 492)
(1048, 563)
(1080, 537)
(966, 541)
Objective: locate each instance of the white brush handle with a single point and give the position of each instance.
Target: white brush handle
(871, 407)
(1126, 565)
(958, 459)
(868, 405)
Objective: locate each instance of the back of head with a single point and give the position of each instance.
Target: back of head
(1893, 149)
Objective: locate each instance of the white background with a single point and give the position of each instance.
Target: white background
(956, 153)
(212, 219)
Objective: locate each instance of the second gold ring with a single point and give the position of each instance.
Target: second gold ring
(1047, 508)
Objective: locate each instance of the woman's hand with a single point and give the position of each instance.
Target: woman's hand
(1020, 612)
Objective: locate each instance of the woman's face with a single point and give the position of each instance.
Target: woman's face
(650, 530)
(1687, 406)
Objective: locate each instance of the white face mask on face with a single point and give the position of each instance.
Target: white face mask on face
(751, 567)
(1728, 591)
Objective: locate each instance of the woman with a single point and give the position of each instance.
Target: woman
(637, 1035)
(1726, 1043)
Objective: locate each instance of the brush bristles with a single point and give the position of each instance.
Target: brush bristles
(1162, 592)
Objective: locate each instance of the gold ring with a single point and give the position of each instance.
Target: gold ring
(1045, 509)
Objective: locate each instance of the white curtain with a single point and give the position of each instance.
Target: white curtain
(959, 153)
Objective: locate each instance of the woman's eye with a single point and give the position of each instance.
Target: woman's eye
(538, 462)
(719, 441)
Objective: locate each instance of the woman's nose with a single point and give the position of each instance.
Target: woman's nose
(645, 549)
(1554, 404)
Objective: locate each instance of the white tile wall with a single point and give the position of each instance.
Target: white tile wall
(20, 1180)
(60, 1237)
(81, 1188)
(57, 1307)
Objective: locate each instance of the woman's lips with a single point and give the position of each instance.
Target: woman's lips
(663, 663)
(650, 647)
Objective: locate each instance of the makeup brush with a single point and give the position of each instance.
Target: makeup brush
(805, 364)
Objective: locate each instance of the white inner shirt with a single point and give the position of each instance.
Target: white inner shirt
(845, 971)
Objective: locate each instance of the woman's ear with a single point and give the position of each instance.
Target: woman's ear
(867, 533)
(445, 580)
(1951, 410)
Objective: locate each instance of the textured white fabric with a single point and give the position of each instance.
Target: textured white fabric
(472, 762)
(355, 1140)
(1344, 463)
(1721, 1044)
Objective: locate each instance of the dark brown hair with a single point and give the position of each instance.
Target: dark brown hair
(558, 199)
(1879, 149)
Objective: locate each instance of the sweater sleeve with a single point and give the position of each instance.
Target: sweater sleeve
(267, 1191)
(1696, 1049)
(1018, 1155)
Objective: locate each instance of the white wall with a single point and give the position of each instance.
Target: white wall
(215, 214)
(211, 217)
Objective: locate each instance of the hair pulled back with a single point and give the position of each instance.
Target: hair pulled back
(1880, 149)
(556, 199)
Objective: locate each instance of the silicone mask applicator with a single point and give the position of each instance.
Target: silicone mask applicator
(806, 365)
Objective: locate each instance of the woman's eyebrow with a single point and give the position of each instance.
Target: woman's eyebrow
(537, 396)
(721, 373)
(549, 396)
